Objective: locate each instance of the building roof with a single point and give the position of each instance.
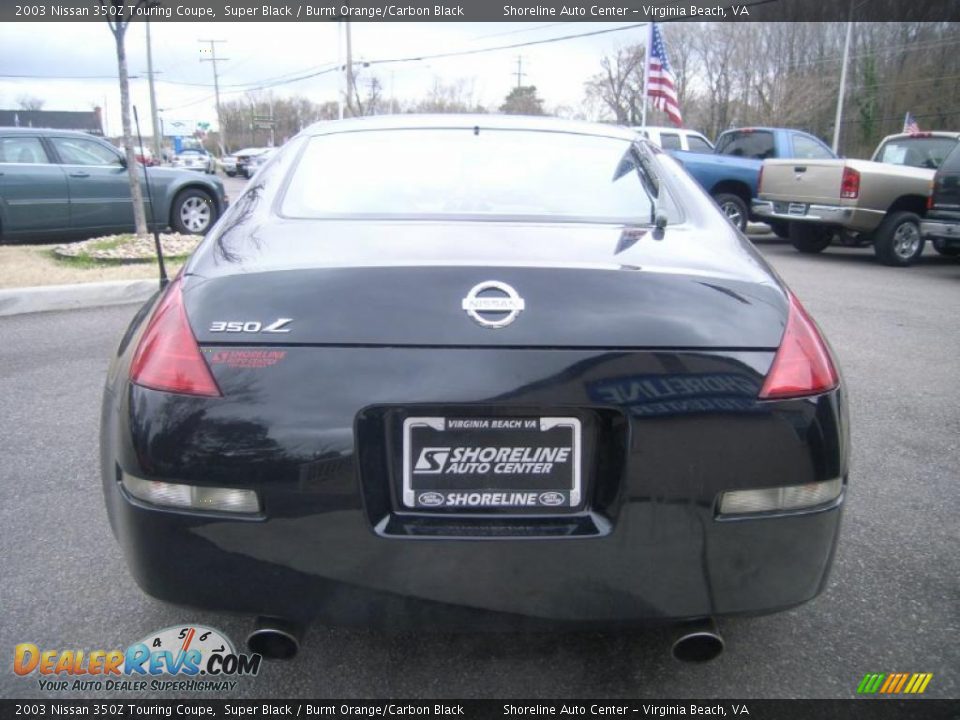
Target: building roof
(86, 121)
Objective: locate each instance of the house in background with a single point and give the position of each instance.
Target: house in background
(86, 121)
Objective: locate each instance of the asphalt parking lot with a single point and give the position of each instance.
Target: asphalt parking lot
(891, 605)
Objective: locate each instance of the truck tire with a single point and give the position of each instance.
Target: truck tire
(734, 208)
(940, 246)
(897, 242)
(809, 238)
(780, 228)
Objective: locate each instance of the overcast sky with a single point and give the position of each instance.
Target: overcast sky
(260, 51)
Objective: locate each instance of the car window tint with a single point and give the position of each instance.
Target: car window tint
(757, 144)
(952, 161)
(698, 144)
(455, 172)
(805, 147)
(670, 141)
(26, 150)
(77, 151)
(920, 152)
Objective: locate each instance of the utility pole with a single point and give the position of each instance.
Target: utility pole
(350, 88)
(520, 73)
(157, 130)
(216, 87)
(843, 83)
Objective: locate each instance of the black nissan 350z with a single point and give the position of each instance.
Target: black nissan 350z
(475, 371)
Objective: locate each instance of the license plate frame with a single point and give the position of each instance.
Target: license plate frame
(797, 209)
(436, 451)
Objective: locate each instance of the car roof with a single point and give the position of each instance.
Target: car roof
(467, 121)
(48, 131)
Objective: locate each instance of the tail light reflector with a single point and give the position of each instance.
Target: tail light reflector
(168, 357)
(850, 184)
(930, 196)
(802, 365)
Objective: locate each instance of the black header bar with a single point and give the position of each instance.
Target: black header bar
(478, 10)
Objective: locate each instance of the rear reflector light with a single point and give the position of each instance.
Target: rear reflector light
(168, 357)
(850, 184)
(191, 497)
(930, 196)
(791, 497)
(802, 365)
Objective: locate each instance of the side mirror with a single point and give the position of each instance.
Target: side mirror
(122, 160)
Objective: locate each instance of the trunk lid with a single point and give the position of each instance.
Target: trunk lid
(404, 284)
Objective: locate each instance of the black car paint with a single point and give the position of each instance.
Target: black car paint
(612, 335)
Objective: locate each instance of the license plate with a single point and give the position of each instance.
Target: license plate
(477, 464)
(797, 209)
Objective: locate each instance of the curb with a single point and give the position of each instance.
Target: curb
(18, 301)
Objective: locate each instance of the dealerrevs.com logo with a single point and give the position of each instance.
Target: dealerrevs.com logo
(199, 658)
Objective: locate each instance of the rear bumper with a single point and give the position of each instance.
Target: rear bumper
(662, 562)
(857, 219)
(330, 547)
(941, 230)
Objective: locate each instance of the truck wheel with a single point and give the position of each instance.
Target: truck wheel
(734, 208)
(941, 247)
(809, 238)
(897, 241)
(780, 228)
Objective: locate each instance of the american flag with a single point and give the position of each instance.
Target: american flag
(910, 124)
(661, 85)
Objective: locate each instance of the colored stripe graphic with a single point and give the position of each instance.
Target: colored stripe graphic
(894, 683)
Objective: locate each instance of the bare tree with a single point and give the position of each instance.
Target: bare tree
(29, 102)
(619, 87)
(120, 14)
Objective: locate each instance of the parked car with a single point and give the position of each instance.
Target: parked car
(243, 158)
(460, 389)
(731, 172)
(57, 184)
(670, 138)
(255, 162)
(880, 201)
(942, 222)
(145, 156)
(195, 159)
(229, 165)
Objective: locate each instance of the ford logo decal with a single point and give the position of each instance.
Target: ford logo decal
(430, 499)
(551, 499)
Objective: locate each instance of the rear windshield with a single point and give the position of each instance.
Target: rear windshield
(468, 173)
(757, 144)
(916, 152)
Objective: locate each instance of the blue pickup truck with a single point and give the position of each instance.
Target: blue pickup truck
(732, 171)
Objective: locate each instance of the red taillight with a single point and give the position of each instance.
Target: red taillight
(168, 357)
(930, 196)
(803, 365)
(850, 184)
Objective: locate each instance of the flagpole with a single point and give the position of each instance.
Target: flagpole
(646, 75)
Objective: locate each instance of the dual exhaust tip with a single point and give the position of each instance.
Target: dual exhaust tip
(697, 642)
(276, 639)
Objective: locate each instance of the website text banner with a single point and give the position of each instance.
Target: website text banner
(129, 707)
(472, 10)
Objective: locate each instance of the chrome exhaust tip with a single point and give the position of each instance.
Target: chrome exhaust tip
(698, 642)
(275, 639)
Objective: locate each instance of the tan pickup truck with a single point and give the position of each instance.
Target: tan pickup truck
(880, 201)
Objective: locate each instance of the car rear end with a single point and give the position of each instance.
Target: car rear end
(942, 221)
(294, 427)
